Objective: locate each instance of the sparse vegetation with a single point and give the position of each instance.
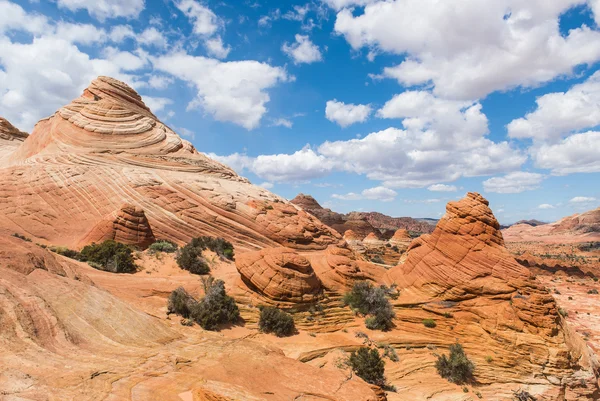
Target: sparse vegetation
(64, 251)
(181, 303)
(563, 312)
(216, 307)
(389, 352)
(430, 323)
(371, 301)
(593, 291)
(456, 368)
(368, 365)
(109, 256)
(163, 245)
(377, 259)
(274, 320)
(489, 359)
(190, 258)
(19, 236)
(448, 315)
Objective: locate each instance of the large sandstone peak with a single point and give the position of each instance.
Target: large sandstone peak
(106, 149)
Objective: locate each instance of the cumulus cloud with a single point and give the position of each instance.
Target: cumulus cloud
(156, 104)
(472, 51)
(230, 91)
(215, 47)
(582, 199)
(545, 206)
(558, 114)
(576, 154)
(103, 9)
(377, 193)
(302, 51)
(205, 22)
(282, 122)
(346, 114)
(442, 188)
(152, 37)
(513, 183)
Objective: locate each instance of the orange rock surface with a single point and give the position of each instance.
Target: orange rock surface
(107, 149)
(280, 274)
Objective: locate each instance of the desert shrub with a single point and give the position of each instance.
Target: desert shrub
(377, 259)
(273, 320)
(219, 246)
(19, 236)
(456, 368)
(563, 312)
(368, 365)
(429, 323)
(190, 258)
(163, 245)
(489, 359)
(448, 315)
(593, 291)
(181, 303)
(369, 300)
(64, 251)
(216, 307)
(390, 352)
(110, 256)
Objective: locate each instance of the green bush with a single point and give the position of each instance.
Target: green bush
(593, 292)
(181, 303)
(64, 251)
(429, 323)
(368, 365)
(190, 258)
(219, 246)
(19, 236)
(456, 368)
(163, 245)
(273, 320)
(216, 307)
(369, 300)
(110, 256)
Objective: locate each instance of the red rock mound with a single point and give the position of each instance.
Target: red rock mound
(129, 226)
(279, 274)
(463, 268)
(10, 138)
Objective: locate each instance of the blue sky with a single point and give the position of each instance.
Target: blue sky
(392, 106)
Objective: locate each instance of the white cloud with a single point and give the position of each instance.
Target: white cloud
(513, 183)
(339, 4)
(152, 37)
(13, 17)
(471, 50)
(103, 9)
(578, 153)
(215, 47)
(230, 91)
(84, 34)
(266, 185)
(156, 104)
(300, 166)
(282, 122)
(558, 114)
(545, 206)
(582, 199)
(118, 33)
(159, 82)
(422, 200)
(346, 114)
(205, 22)
(377, 193)
(442, 188)
(238, 162)
(302, 51)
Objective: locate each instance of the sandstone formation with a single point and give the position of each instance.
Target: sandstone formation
(401, 239)
(106, 149)
(361, 223)
(373, 241)
(279, 274)
(129, 226)
(463, 268)
(10, 138)
(584, 227)
(351, 237)
(62, 337)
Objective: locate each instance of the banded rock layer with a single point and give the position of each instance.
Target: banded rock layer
(463, 270)
(106, 149)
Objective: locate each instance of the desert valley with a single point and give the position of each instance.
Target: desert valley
(104, 174)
